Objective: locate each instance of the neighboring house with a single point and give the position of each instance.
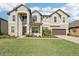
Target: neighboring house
(3, 26)
(74, 28)
(24, 22)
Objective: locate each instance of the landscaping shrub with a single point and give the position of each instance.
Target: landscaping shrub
(46, 32)
(6, 37)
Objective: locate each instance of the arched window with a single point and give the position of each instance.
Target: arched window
(55, 19)
(34, 18)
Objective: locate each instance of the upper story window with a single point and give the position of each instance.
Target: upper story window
(63, 19)
(55, 19)
(14, 18)
(23, 17)
(34, 18)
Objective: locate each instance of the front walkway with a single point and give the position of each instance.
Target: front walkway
(69, 38)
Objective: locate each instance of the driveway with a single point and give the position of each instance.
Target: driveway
(69, 38)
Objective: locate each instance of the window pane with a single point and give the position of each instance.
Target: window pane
(13, 17)
(12, 29)
(35, 30)
(55, 19)
(34, 18)
(63, 19)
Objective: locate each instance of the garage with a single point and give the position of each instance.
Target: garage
(59, 31)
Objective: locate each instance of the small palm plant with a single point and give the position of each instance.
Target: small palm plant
(46, 32)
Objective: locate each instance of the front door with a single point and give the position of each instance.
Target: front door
(24, 31)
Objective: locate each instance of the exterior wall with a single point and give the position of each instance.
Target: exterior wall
(46, 22)
(59, 24)
(4, 27)
(17, 22)
(38, 17)
(71, 32)
(37, 34)
(39, 20)
(24, 10)
(66, 24)
(12, 23)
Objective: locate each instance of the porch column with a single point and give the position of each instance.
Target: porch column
(67, 31)
(16, 26)
(30, 30)
(28, 25)
(41, 30)
(19, 26)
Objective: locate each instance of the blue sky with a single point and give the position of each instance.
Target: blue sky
(4, 15)
(53, 5)
(45, 8)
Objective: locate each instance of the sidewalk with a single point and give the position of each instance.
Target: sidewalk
(69, 38)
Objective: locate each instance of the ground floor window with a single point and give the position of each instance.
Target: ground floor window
(12, 29)
(35, 29)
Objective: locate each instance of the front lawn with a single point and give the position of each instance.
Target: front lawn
(38, 47)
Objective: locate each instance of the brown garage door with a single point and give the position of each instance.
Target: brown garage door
(59, 32)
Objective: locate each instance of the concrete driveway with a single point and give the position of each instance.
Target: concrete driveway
(69, 38)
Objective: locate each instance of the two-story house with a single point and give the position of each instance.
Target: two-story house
(22, 21)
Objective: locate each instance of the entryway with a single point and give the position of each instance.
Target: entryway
(24, 30)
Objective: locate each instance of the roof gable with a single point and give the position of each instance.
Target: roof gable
(58, 13)
(63, 12)
(37, 12)
(17, 8)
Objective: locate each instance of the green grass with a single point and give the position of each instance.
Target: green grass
(31, 47)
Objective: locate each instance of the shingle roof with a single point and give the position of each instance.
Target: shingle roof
(37, 12)
(61, 11)
(45, 15)
(74, 24)
(3, 19)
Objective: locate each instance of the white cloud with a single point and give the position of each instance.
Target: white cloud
(45, 10)
(35, 8)
(7, 6)
(71, 8)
